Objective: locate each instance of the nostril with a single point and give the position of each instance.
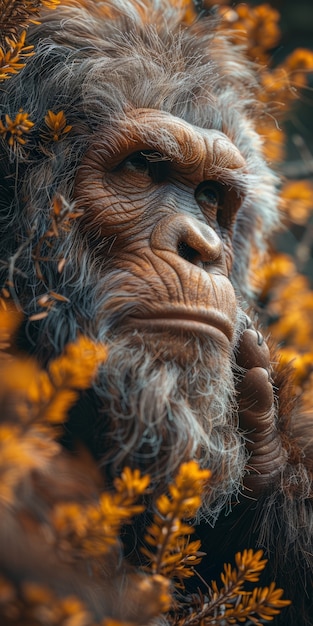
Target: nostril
(191, 240)
(187, 252)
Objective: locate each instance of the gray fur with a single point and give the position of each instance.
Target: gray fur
(96, 70)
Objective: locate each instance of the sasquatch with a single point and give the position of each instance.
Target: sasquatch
(165, 167)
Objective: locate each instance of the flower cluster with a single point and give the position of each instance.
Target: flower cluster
(13, 56)
(15, 131)
(81, 522)
(287, 304)
(36, 604)
(257, 27)
(170, 551)
(17, 15)
(46, 395)
(230, 603)
(91, 530)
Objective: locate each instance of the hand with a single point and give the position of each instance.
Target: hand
(257, 408)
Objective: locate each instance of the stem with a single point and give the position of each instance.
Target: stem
(166, 531)
(225, 595)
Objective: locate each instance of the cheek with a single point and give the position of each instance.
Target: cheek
(110, 204)
(229, 254)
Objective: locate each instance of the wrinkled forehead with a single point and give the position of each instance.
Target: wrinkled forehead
(170, 138)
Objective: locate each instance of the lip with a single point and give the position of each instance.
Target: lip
(209, 322)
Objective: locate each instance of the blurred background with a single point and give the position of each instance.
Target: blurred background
(297, 32)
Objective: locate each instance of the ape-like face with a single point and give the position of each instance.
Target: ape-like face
(164, 163)
(163, 196)
(167, 194)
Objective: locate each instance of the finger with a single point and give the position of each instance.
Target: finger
(255, 399)
(253, 350)
(257, 418)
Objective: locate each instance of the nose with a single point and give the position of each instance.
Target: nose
(193, 241)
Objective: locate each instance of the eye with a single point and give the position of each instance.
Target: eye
(137, 162)
(214, 198)
(209, 194)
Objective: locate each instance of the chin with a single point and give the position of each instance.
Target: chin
(167, 398)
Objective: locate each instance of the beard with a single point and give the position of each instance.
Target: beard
(167, 398)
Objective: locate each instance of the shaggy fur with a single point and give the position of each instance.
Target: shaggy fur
(94, 70)
(158, 400)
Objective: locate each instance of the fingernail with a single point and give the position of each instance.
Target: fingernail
(260, 338)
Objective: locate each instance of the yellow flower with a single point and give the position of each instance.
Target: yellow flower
(170, 552)
(56, 126)
(297, 200)
(78, 364)
(13, 131)
(92, 529)
(298, 64)
(258, 26)
(131, 483)
(21, 452)
(10, 320)
(12, 55)
(40, 601)
(251, 563)
(302, 364)
(50, 4)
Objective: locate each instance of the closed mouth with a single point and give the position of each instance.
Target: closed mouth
(210, 322)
